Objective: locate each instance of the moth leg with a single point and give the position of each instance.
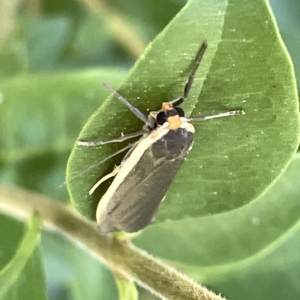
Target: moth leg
(132, 108)
(99, 163)
(217, 115)
(115, 140)
(112, 174)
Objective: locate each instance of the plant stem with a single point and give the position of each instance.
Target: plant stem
(8, 11)
(123, 257)
(123, 32)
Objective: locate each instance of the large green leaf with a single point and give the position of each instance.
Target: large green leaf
(233, 160)
(21, 277)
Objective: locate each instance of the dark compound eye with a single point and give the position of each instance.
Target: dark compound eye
(161, 118)
(180, 111)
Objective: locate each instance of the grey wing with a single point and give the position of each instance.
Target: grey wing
(137, 199)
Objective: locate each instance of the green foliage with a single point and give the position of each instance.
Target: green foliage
(227, 156)
(231, 218)
(66, 266)
(53, 109)
(22, 277)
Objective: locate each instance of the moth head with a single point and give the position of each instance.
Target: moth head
(168, 110)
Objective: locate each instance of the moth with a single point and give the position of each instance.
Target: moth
(147, 170)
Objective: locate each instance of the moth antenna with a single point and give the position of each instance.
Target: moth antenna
(191, 77)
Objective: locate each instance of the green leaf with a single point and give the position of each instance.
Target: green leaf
(40, 118)
(21, 277)
(46, 41)
(127, 289)
(73, 273)
(233, 160)
(13, 58)
(158, 75)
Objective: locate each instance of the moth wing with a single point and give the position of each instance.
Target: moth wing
(135, 205)
(136, 201)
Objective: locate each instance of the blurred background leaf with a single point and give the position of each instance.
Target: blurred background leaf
(250, 253)
(40, 118)
(67, 280)
(21, 275)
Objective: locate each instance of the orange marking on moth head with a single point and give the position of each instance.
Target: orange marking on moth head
(166, 106)
(174, 122)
